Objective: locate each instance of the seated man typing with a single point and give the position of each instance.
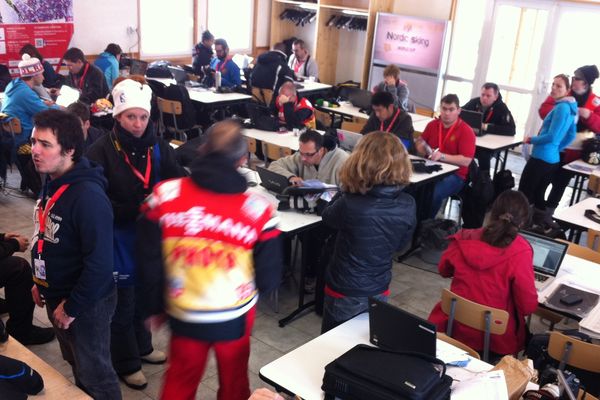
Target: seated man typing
(223, 63)
(387, 117)
(294, 112)
(448, 139)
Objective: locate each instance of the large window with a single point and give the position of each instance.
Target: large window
(232, 20)
(167, 28)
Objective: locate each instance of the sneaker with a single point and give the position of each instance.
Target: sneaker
(309, 285)
(156, 357)
(36, 335)
(136, 381)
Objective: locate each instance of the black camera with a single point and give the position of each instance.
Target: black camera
(550, 376)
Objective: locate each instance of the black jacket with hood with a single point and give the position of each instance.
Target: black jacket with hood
(498, 118)
(271, 71)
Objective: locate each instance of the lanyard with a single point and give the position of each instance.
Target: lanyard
(146, 177)
(489, 116)
(221, 64)
(440, 142)
(85, 71)
(43, 214)
(391, 123)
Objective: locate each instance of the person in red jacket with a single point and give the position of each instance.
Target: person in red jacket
(589, 120)
(294, 111)
(493, 266)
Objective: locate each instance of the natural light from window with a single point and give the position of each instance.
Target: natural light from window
(232, 21)
(166, 29)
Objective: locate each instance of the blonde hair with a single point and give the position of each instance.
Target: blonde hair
(138, 78)
(379, 158)
(391, 70)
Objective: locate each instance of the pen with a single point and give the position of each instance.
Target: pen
(434, 151)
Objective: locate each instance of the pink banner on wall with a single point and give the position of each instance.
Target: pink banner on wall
(409, 41)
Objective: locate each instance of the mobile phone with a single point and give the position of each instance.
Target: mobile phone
(571, 300)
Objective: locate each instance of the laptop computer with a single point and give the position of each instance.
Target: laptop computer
(547, 257)
(395, 329)
(348, 140)
(272, 180)
(474, 119)
(361, 98)
(181, 77)
(138, 67)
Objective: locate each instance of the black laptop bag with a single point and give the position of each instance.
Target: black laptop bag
(366, 372)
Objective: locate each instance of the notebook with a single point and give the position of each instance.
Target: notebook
(348, 140)
(272, 180)
(547, 257)
(395, 329)
(474, 119)
(181, 77)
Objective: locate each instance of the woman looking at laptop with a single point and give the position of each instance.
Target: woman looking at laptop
(374, 218)
(493, 266)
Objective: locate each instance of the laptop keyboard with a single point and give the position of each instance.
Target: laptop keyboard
(540, 277)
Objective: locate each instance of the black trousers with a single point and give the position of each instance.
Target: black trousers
(560, 181)
(15, 277)
(484, 158)
(535, 180)
(129, 338)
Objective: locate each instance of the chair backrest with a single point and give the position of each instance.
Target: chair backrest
(424, 111)
(263, 96)
(274, 152)
(574, 352)
(169, 106)
(442, 336)
(582, 252)
(483, 318)
(251, 145)
(593, 240)
(13, 126)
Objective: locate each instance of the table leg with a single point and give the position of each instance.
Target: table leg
(574, 192)
(580, 188)
(301, 305)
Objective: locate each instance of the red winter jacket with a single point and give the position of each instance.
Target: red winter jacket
(593, 104)
(497, 277)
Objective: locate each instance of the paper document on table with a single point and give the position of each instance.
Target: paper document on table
(67, 96)
(317, 184)
(591, 324)
(450, 354)
(488, 385)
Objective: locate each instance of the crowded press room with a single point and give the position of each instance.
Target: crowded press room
(283, 199)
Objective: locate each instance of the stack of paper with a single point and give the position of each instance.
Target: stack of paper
(488, 385)
(591, 323)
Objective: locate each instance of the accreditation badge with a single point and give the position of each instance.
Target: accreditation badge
(39, 268)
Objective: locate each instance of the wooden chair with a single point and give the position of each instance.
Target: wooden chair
(11, 125)
(545, 314)
(251, 148)
(273, 152)
(424, 111)
(593, 240)
(174, 108)
(445, 338)
(582, 251)
(489, 320)
(574, 352)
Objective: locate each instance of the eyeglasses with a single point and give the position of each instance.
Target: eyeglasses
(576, 78)
(308, 155)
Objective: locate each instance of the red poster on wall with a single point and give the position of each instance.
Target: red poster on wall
(47, 24)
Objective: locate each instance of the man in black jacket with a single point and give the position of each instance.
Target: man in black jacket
(15, 277)
(497, 118)
(203, 53)
(386, 117)
(271, 70)
(83, 76)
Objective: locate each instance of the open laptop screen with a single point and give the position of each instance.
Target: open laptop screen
(547, 253)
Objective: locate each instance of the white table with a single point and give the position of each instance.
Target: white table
(582, 171)
(208, 96)
(573, 217)
(287, 139)
(577, 271)
(311, 88)
(301, 371)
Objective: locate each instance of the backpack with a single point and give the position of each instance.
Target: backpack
(503, 181)
(476, 196)
(590, 151)
(159, 69)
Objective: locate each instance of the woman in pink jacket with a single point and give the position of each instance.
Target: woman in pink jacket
(493, 266)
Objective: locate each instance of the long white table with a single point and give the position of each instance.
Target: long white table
(301, 371)
(573, 217)
(208, 96)
(311, 88)
(582, 172)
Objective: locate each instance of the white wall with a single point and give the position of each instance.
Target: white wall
(263, 22)
(351, 56)
(100, 23)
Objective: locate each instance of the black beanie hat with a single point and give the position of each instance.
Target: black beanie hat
(589, 73)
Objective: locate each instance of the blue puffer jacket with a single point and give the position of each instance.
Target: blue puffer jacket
(371, 228)
(558, 131)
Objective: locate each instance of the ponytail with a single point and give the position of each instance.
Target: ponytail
(509, 212)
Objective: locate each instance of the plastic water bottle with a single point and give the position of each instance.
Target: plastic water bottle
(218, 79)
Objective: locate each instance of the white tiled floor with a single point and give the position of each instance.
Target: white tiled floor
(415, 287)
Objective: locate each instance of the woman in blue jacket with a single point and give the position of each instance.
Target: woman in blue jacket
(108, 62)
(374, 218)
(558, 131)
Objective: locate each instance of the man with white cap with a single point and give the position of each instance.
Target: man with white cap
(134, 160)
(22, 101)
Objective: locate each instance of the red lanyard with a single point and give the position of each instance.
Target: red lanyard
(440, 142)
(221, 65)
(391, 123)
(43, 214)
(489, 116)
(298, 65)
(85, 71)
(146, 177)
